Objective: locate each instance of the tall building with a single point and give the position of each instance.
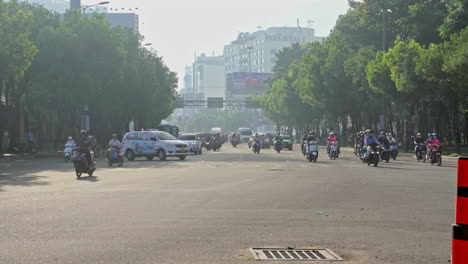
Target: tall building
(124, 20)
(59, 6)
(208, 76)
(256, 52)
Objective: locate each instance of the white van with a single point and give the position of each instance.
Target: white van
(245, 133)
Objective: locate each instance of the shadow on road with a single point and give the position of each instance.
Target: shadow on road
(21, 180)
(89, 179)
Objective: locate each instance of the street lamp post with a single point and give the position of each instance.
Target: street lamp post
(93, 5)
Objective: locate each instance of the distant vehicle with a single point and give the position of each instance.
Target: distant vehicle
(153, 143)
(194, 142)
(173, 130)
(287, 142)
(245, 133)
(218, 130)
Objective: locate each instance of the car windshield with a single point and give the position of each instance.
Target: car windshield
(187, 137)
(164, 136)
(246, 133)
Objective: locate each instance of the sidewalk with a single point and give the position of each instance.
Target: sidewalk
(40, 155)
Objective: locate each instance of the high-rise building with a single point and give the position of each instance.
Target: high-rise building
(208, 76)
(59, 6)
(124, 20)
(256, 52)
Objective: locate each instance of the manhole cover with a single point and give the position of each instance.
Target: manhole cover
(314, 254)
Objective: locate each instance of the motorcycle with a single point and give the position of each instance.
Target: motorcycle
(115, 156)
(312, 151)
(278, 146)
(385, 154)
(421, 153)
(305, 145)
(333, 150)
(234, 142)
(68, 151)
(208, 145)
(374, 156)
(216, 144)
(394, 151)
(82, 164)
(436, 155)
(256, 147)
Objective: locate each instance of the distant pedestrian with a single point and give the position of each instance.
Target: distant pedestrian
(32, 142)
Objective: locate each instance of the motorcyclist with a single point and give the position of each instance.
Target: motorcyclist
(86, 144)
(391, 139)
(333, 138)
(114, 143)
(370, 141)
(69, 145)
(303, 139)
(431, 143)
(70, 142)
(384, 141)
(417, 141)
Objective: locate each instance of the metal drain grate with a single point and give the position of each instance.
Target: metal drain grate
(294, 254)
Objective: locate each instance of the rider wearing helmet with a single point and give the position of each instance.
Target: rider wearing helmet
(369, 141)
(383, 140)
(332, 138)
(431, 142)
(417, 141)
(86, 144)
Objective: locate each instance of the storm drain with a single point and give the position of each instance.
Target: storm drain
(294, 254)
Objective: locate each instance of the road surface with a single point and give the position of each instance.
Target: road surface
(212, 208)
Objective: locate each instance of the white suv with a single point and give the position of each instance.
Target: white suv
(153, 143)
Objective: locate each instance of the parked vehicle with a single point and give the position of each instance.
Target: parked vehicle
(153, 143)
(194, 143)
(311, 151)
(115, 156)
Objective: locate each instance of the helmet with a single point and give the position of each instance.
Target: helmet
(429, 135)
(304, 133)
(389, 134)
(418, 135)
(114, 135)
(83, 133)
(311, 133)
(70, 138)
(382, 133)
(434, 135)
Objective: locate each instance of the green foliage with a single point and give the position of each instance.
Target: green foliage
(415, 83)
(66, 63)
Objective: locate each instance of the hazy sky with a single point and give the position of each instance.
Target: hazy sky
(179, 28)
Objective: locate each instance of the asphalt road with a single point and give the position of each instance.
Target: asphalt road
(212, 208)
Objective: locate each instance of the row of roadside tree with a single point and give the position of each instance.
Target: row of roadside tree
(62, 73)
(397, 65)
